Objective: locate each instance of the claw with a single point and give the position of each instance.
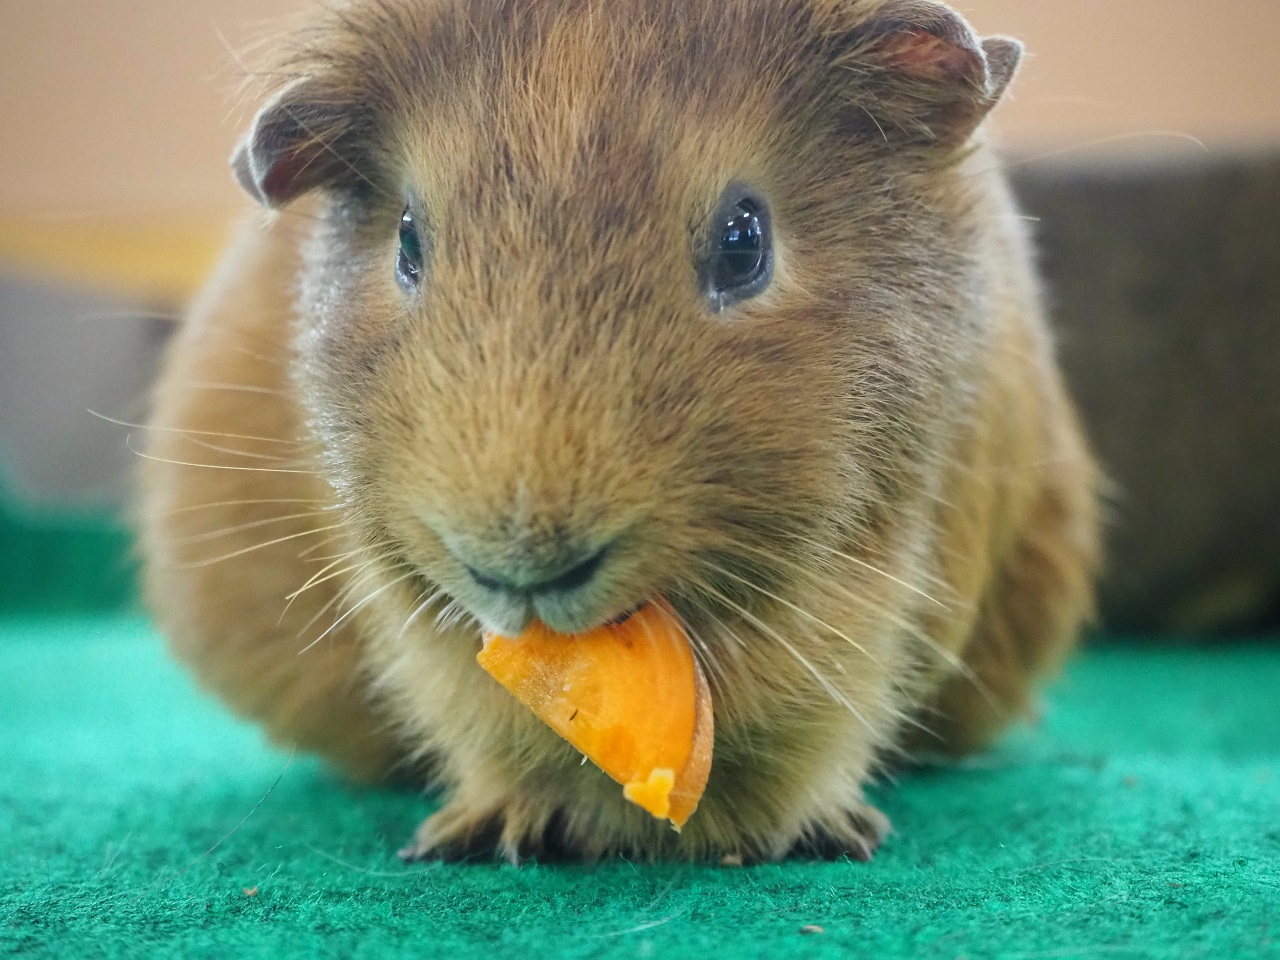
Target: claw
(510, 834)
(856, 834)
(510, 852)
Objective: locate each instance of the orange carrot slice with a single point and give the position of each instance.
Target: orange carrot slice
(629, 695)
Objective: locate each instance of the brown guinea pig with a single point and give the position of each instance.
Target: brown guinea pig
(569, 304)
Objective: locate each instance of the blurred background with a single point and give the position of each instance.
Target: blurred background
(1144, 136)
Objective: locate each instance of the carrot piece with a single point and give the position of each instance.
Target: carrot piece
(629, 695)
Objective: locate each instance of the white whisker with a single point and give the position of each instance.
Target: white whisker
(235, 388)
(270, 457)
(259, 546)
(323, 573)
(190, 432)
(216, 466)
(348, 589)
(709, 659)
(316, 580)
(908, 626)
(804, 613)
(831, 689)
(364, 602)
(248, 503)
(431, 596)
(872, 568)
(253, 525)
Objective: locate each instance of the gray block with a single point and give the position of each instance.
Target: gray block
(63, 353)
(1165, 286)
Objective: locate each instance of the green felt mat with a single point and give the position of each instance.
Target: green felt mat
(1141, 820)
(63, 561)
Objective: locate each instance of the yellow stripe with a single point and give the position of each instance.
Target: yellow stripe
(149, 258)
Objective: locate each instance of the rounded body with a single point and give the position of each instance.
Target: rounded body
(860, 483)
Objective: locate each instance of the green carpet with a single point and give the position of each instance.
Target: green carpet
(63, 561)
(1142, 819)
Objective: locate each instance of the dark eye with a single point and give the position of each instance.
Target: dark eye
(741, 260)
(409, 259)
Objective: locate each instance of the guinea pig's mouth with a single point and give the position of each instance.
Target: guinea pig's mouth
(565, 614)
(573, 607)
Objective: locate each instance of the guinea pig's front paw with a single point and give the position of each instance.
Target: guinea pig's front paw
(510, 831)
(855, 833)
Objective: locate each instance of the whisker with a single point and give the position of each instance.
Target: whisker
(908, 716)
(307, 553)
(363, 603)
(709, 659)
(252, 525)
(1153, 134)
(215, 466)
(871, 568)
(431, 597)
(259, 546)
(804, 613)
(454, 614)
(315, 581)
(955, 661)
(323, 574)
(260, 357)
(349, 588)
(218, 448)
(1017, 163)
(911, 628)
(346, 554)
(247, 503)
(831, 689)
(283, 346)
(338, 596)
(202, 433)
(235, 388)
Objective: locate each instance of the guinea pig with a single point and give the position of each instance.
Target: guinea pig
(563, 305)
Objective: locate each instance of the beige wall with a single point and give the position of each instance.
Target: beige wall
(124, 105)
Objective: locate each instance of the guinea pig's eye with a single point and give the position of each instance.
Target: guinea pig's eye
(409, 259)
(741, 259)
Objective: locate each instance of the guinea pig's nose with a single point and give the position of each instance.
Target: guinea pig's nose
(558, 578)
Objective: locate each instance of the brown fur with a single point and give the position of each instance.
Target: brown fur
(864, 490)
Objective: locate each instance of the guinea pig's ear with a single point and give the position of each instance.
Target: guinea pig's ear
(932, 77)
(301, 139)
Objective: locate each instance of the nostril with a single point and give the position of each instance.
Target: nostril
(489, 583)
(578, 575)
